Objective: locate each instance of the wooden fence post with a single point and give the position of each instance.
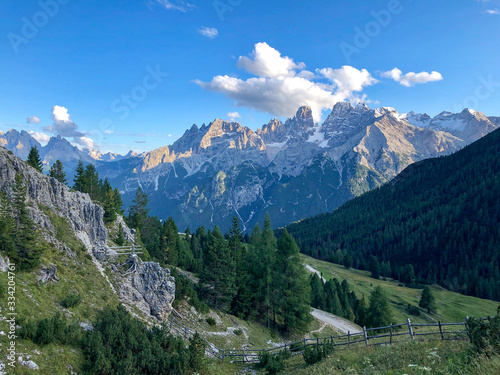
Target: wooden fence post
(390, 337)
(410, 331)
(366, 337)
(348, 339)
(243, 351)
(441, 330)
(331, 339)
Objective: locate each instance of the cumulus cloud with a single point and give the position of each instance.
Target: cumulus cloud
(348, 79)
(265, 61)
(411, 78)
(33, 120)
(233, 115)
(65, 127)
(209, 32)
(281, 85)
(493, 11)
(39, 136)
(180, 5)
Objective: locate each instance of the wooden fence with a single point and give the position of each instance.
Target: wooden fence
(387, 335)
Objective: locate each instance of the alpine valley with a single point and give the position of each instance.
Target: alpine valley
(291, 170)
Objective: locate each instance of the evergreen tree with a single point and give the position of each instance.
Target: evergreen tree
(138, 210)
(374, 267)
(34, 159)
(362, 312)
(379, 313)
(219, 272)
(57, 171)
(317, 292)
(120, 239)
(170, 242)
(79, 179)
(92, 184)
(427, 300)
(7, 225)
(118, 203)
(27, 247)
(291, 285)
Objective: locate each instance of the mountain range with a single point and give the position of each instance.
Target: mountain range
(292, 170)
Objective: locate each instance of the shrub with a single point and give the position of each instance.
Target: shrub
(238, 332)
(315, 353)
(484, 334)
(71, 300)
(210, 321)
(273, 363)
(413, 310)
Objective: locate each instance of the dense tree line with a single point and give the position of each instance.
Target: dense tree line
(262, 279)
(437, 222)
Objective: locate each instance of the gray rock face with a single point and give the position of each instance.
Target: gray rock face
(149, 287)
(84, 216)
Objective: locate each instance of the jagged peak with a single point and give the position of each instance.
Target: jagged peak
(304, 113)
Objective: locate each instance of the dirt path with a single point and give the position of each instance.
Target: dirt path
(341, 324)
(310, 269)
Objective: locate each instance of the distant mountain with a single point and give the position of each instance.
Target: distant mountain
(57, 148)
(292, 170)
(439, 218)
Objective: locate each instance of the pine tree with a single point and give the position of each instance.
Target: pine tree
(427, 300)
(34, 159)
(170, 242)
(120, 239)
(219, 272)
(57, 171)
(28, 249)
(374, 267)
(92, 185)
(291, 286)
(317, 292)
(379, 313)
(7, 225)
(138, 210)
(118, 202)
(79, 179)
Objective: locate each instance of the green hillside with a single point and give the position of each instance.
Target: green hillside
(438, 222)
(451, 307)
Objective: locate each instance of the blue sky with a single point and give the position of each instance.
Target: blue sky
(121, 75)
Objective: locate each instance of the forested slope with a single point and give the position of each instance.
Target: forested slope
(436, 222)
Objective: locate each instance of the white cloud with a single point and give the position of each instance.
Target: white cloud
(282, 86)
(265, 61)
(33, 120)
(209, 32)
(348, 79)
(493, 11)
(85, 142)
(233, 115)
(39, 136)
(179, 5)
(65, 127)
(411, 78)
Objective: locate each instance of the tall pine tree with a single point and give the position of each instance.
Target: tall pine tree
(34, 159)
(57, 171)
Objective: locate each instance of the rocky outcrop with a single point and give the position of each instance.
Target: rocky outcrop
(148, 287)
(84, 216)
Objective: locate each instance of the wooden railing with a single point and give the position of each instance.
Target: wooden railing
(387, 335)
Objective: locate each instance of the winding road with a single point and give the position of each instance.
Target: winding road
(341, 324)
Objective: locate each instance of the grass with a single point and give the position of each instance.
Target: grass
(451, 307)
(432, 357)
(77, 276)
